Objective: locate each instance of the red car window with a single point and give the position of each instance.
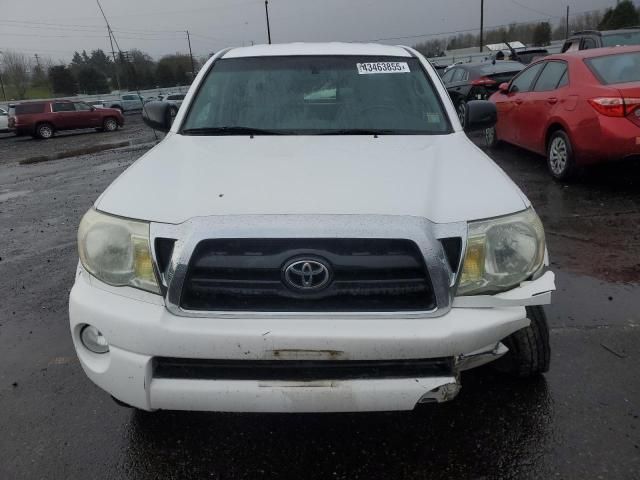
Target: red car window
(550, 76)
(616, 68)
(522, 83)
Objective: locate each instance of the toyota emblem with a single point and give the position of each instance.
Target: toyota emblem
(306, 274)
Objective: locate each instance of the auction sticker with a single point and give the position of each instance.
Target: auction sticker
(382, 67)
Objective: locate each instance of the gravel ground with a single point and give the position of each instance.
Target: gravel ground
(578, 421)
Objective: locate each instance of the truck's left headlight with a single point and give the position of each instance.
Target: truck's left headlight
(502, 252)
(116, 251)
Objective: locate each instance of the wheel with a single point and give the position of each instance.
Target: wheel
(529, 351)
(560, 158)
(109, 125)
(461, 108)
(44, 131)
(491, 137)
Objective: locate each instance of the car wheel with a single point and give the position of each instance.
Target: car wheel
(44, 131)
(461, 108)
(109, 125)
(529, 352)
(560, 159)
(491, 137)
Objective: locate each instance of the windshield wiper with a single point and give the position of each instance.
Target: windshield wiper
(359, 131)
(229, 130)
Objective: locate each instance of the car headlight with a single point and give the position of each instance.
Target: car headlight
(116, 251)
(502, 252)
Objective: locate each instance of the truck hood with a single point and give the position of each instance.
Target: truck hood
(444, 178)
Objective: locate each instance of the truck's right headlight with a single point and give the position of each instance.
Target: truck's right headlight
(502, 252)
(116, 250)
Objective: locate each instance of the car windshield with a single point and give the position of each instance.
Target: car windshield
(628, 38)
(316, 95)
(617, 68)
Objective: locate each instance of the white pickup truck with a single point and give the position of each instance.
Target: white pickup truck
(127, 102)
(315, 233)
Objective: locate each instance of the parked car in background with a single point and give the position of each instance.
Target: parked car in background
(441, 69)
(175, 100)
(128, 102)
(477, 81)
(588, 39)
(4, 120)
(43, 119)
(578, 109)
(528, 55)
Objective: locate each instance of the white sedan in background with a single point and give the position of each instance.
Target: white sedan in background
(4, 120)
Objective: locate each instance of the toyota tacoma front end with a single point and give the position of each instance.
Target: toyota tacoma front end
(316, 233)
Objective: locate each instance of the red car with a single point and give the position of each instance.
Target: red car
(42, 119)
(578, 108)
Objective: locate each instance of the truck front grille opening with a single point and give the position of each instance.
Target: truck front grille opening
(366, 275)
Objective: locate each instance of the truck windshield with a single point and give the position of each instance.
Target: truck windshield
(316, 95)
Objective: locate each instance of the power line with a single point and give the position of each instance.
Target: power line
(515, 2)
(75, 27)
(453, 32)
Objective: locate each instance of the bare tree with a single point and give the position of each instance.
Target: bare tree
(16, 71)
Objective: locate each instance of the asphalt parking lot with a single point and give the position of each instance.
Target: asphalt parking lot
(581, 420)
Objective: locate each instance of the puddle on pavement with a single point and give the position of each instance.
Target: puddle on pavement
(8, 194)
(581, 300)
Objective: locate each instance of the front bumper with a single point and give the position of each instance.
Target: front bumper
(141, 329)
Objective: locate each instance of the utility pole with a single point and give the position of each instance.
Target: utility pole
(113, 52)
(266, 9)
(481, 23)
(37, 60)
(193, 68)
(566, 30)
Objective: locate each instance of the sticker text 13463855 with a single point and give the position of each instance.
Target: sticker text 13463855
(383, 67)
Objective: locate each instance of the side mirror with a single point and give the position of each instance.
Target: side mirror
(157, 115)
(480, 115)
(92, 108)
(504, 87)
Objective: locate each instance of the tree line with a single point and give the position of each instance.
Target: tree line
(94, 73)
(624, 14)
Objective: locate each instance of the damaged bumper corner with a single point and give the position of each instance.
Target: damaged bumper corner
(534, 292)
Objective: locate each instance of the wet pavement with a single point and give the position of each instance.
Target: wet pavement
(581, 420)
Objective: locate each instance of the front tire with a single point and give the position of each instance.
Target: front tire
(44, 131)
(560, 157)
(529, 351)
(461, 109)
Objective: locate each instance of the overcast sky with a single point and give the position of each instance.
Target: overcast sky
(56, 28)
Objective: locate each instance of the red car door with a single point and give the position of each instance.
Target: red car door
(540, 103)
(519, 92)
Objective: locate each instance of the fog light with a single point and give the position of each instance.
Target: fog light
(93, 339)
